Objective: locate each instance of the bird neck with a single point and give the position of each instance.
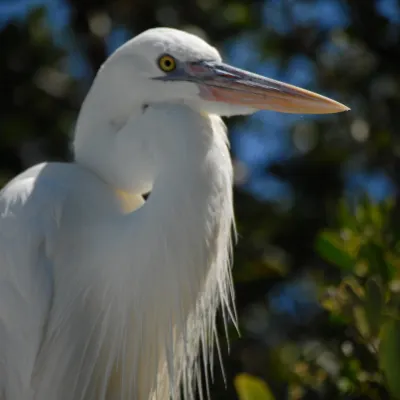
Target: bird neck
(192, 188)
(182, 239)
(174, 251)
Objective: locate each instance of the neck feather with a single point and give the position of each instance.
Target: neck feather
(182, 250)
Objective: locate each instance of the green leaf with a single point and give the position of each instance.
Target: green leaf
(374, 255)
(249, 387)
(361, 321)
(389, 355)
(331, 247)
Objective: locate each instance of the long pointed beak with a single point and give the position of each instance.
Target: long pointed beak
(224, 83)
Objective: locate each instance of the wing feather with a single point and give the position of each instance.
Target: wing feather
(27, 218)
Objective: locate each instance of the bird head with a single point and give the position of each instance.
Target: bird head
(167, 65)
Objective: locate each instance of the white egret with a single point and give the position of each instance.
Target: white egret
(103, 296)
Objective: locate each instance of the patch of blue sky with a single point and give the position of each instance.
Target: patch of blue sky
(266, 187)
(327, 14)
(77, 65)
(59, 17)
(389, 9)
(274, 17)
(375, 183)
(300, 71)
(57, 12)
(259, 147)
(297, 299)
(243, 51)
(116, 38)
(17, 9)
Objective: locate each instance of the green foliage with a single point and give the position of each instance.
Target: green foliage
(252, 388)
(366, 290)
(331, 246)
(389, 355)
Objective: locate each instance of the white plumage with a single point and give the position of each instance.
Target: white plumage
(102, 297)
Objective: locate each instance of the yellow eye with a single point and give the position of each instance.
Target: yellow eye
(167, 63)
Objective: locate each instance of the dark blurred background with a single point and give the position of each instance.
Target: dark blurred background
(316, 266)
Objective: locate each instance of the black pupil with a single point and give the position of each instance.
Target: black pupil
(167, 63)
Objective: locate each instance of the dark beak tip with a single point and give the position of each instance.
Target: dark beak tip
(344, 108)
